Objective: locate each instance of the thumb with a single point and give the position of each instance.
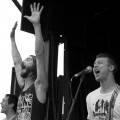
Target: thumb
(27, 17)
(15, 24)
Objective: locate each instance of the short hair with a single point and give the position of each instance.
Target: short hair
(34, 70)
(111, 59)
(12, 99)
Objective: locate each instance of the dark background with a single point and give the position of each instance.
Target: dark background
(89, 28)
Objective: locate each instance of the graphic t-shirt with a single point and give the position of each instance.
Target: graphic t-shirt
(98, 106)
(29, 108)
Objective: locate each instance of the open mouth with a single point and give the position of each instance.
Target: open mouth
(97, 71)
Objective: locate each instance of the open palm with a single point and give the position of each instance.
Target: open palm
(35, 13)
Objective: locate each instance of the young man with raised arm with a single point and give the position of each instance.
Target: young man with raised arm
(31, 73)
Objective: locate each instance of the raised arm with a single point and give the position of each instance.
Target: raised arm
(16, 57)
(41, 83)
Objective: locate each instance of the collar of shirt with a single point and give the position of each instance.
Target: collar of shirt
(11, 118)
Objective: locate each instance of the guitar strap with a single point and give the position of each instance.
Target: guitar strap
(112, 101)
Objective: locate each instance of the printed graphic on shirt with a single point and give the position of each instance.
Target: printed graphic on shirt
(25, 107)
(101, 109)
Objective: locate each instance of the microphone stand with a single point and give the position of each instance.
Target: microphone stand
(74, 99)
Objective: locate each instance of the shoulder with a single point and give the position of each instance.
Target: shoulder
(118, 97)
(117, 103)
(118, 91)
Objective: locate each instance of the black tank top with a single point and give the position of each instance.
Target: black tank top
(29, 108)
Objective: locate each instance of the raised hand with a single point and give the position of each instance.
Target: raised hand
(12, 34)
(35, 13)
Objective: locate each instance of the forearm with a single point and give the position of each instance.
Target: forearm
(15, 53)
(39, 43)
(40, 56)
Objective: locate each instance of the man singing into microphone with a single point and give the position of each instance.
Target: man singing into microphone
(104, 102)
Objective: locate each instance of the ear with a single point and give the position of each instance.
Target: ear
(111, 67)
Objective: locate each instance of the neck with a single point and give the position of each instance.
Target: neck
(108, 85)
(28, 83)
(10, 114)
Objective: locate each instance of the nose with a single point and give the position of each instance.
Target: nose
(23, 65)
(1, 103)
(95, 65)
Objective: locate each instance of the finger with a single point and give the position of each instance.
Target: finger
(31, 8)
(41, 8)
(15, 25)
(38, 6)
(34, 6)
(27, 17)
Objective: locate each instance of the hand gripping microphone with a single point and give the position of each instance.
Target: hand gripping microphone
(84, 71)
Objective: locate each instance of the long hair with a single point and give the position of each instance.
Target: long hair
(34, 68)
(12, 99)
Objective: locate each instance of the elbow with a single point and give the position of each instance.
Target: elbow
(39, 52)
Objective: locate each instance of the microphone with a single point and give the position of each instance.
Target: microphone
(84, 71)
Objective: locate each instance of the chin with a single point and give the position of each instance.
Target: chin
(24, 73)
(97, 79)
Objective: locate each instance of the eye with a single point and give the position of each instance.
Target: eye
(29, 59)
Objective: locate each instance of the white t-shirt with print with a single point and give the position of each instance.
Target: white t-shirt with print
(98, 105)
